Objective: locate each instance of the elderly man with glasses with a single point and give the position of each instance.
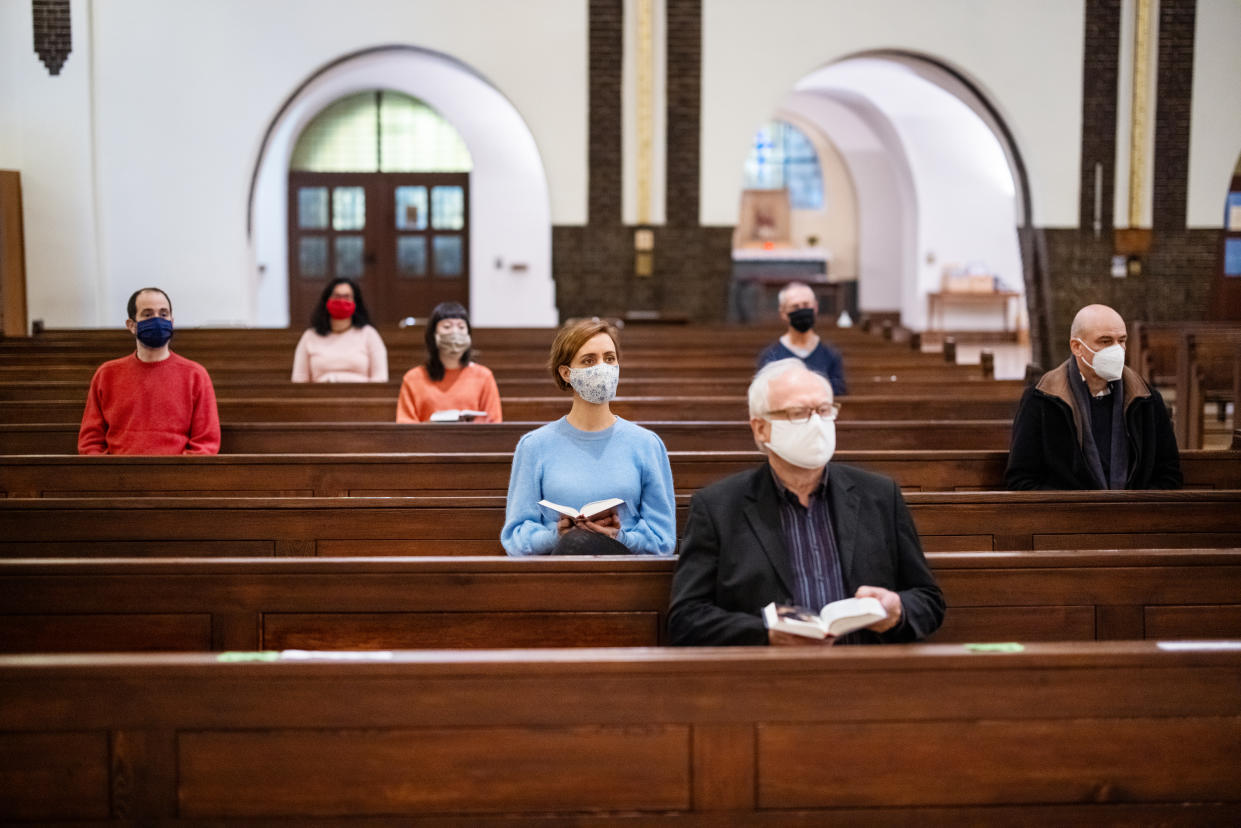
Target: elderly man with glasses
(798, 530)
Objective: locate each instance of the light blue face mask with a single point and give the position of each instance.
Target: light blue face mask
(596, 384)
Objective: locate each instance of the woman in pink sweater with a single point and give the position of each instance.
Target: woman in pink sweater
(340, 345)
(448, 381)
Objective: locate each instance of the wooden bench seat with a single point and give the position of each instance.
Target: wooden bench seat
(533, 387)
(360, 438)
(1067, 733)
(328, 527)
(451, 603)
(264, 409)
(446, 473)
(243, 373)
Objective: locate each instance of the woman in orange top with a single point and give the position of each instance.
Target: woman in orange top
(449, 381)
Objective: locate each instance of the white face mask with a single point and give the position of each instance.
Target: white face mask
(807, 445)
(454, 342)
(596, 384)
(1109, 362)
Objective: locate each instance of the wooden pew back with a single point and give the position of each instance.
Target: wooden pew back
(1085, 732)
(480, 603)
(328, 527)
(447, 473)
(363, 438)
(264, 409)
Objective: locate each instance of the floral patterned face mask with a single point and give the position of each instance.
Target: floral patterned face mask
(596, 384)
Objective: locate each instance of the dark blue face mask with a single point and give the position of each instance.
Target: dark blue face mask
(154, 332)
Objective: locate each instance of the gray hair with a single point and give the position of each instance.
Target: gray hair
(789, 288)
(760, 386)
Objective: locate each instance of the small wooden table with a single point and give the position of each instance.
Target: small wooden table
(1004, 298)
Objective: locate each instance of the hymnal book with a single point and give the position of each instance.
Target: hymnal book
(453, 415)
(590, 510)
(836, 619)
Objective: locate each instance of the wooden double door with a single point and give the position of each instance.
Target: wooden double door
(403, 237)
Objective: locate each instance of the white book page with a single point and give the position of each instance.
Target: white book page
(844, 615)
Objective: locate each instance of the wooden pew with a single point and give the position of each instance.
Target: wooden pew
(264, 409)
(1068, 733)
(408, 345)
(710, 361)
(247, 374)
(360, 438)
(445, 473)
(686, 386)
(1201, 361)
(121, 605)
(327, 527)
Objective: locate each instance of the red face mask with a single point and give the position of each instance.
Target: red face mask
(340, 308)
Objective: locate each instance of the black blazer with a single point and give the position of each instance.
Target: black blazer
(733, 561)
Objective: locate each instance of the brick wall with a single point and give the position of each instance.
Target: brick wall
(593, 264)
(1176, 275)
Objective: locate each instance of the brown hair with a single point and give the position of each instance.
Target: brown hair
(569, 340)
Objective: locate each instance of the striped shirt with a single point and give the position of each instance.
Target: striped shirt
(811, 544)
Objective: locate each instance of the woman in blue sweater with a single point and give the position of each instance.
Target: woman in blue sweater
(589, 455)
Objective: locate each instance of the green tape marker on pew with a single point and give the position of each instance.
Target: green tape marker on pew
(996, 647)
(241, 655)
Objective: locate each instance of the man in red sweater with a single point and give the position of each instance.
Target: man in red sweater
(152, 401)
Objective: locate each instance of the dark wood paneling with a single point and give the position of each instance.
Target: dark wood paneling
(1103, 733)
(99, 633)
(1008, 762)
(1018, 623)
(1201, 621)
(53, 775)
(458, 630)
(355, 773)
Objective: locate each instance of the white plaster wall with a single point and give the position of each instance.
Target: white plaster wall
(886, 200)
(182, 94)
(1215, 116)
(962, 208)
(1014, 50)
(509, 212)
(45, 134)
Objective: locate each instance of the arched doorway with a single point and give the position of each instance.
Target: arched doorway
(1227, 303)
(379, 192)
(507, 209)
(936, 187)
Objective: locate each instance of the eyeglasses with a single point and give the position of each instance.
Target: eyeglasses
(797, 416)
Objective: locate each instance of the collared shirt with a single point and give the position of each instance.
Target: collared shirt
(811, 543)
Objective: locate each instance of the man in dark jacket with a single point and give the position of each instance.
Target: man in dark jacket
(798, 530)
(1091, 422)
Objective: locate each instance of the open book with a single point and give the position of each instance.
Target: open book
(453, 415)
(590, 510)
(837, 618)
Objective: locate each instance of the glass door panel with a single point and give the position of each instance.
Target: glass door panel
(403, 236)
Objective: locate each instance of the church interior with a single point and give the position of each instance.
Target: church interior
(317, 623)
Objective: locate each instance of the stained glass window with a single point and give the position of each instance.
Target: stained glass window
(380, 131)
(782, 157)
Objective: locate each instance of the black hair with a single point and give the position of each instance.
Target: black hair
(321, 321)
(132, 307)
(444, 310)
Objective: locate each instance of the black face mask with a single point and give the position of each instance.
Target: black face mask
(802, 319)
